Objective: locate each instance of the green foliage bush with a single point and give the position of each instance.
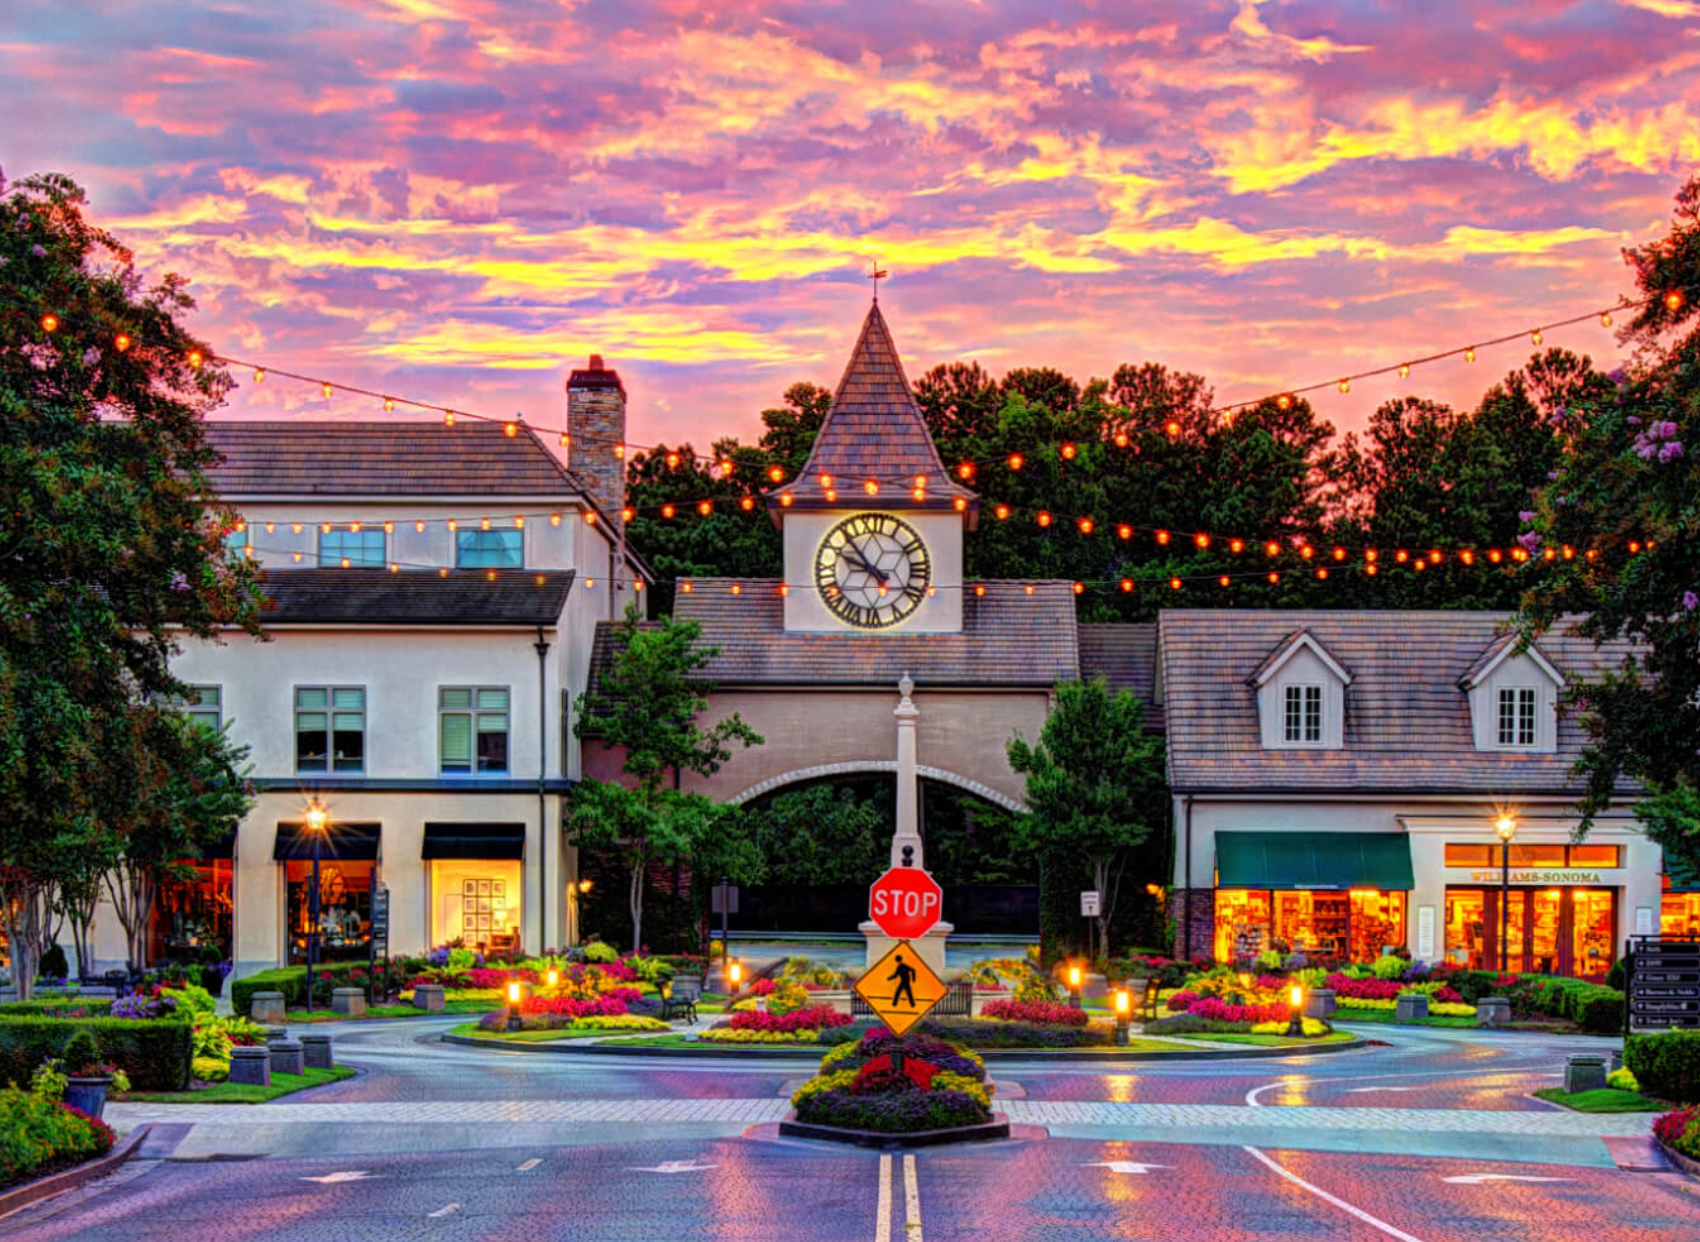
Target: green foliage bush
(1389, 967)
(53, 964)
(153, 1054)
(290, 980)
(1667, 1065)
(601, 951)
(37, 1135)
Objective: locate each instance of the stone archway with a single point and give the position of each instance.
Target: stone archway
(874, 767)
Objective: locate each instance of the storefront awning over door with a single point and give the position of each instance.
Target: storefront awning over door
(475, 841)
(1313, 860)
(341, 843)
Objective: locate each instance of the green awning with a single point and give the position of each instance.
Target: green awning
(1680, 875)
(1314, 860)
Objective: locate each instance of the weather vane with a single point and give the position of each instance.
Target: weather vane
(877, 275)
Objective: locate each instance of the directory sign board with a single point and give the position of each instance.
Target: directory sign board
(1664, 983)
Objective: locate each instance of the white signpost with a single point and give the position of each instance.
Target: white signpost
(1090, 903)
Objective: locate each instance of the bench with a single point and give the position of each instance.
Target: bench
(680, 1000)
(1146, 1002)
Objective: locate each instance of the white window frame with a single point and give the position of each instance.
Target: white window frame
(1517, 717)
(501, 535)
(197, 708)
(329, 711)
(1303, 705)
(335, 560)
(473, 711)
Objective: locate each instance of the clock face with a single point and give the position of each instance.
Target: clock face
(872, 570)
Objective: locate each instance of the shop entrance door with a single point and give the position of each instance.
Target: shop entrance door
(1552, 931)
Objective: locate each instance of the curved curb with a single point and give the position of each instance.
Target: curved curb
(69, 1179)
(1686, 1165)
(996, 1128)
(1063, 1056)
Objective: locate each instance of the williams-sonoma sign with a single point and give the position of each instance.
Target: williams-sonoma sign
(1543, 876)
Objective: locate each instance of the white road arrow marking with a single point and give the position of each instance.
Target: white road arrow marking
(331, 1179)
(1476, 1179)
(673, 1166)
(529, 1165)
(444, 1211)
(1362, 1090)
(1124, 1166)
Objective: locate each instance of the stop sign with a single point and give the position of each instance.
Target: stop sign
(905, 902)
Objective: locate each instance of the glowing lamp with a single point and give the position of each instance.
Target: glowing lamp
(673, 461)
(1535, 337)
(315, 817)
(1272, 548)
(1002, 511)
(1172, 429)
(1124, 1004)
(50, 323)
(1015, 460)
(1044, 518)
(1068, 451)
(1470, 354)
(746, 503)
(1202, 540)
(1074, 977)
(584, 885)
(325, 388)
(389, 408)
(1174, 584)
(1284, 402)
(871, 487)
(1236, 545)
(196, 358)
(1222, 581)
(1345, 385)
(1295, 995)
(965, 470)
(1673, 300)
(705, 507)
(1273, 577)
(1163, 536)
(1156, 890)
(1404, 369)
(513, 992)
(1079, 588)
(735, 972)
(554, 977)
(1086, 526)
(1124, 532)
(668, 511)
(775, 473)
(259, 375)
(1505, 827)
(122, 343)
(1605, 321)
(1127, 585)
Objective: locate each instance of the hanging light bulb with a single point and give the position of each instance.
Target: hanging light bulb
(259, 375)
(1201, 540)
(1163, 536)
(1345, 385)
(1127, 585)
(1284, 401)
(1372, 570)
(1002, 511)
(826, 482)
(705, 507)
(871, 487)
(510, 429)
(1236, 546)
(1174, 584)
(1274, 577)
(738, 588)
(1124, 532)
(746, 503)
(1605, 320)
(1272, 548)
(1673, 300)
(389, 405)
(295, 527)
(1370, 555)
(1404, 370)
(419, 525)
(1086, 526)
(122, 343)
(270, 527)
(325, 388)
(50, 322)
(1015, 461)
(785, 500)
(960, 504)
(667, 511)
(1322, 571)
(1172, 429)
(1068, 452)
(483, 523)
(1401, 556)
(1044, 518)
(1535, 337)
(1223, 580)
(619, 452)
(979, 589)
(566, 440)
(672, 461)
(1121, 439)
(1470, 354)
(453, 524)
(448, 418)
(1079, 587)
(776, 474)
(196, 358)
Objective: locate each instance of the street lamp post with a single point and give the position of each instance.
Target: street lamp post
(316, 820)
(1505, 827)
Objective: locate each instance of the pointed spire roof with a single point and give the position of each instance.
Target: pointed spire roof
(874, 430)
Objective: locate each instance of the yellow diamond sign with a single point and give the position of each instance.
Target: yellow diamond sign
(901, 988)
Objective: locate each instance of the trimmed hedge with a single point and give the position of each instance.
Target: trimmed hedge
(1666, 1066)
(290, 980)
(155, 1053)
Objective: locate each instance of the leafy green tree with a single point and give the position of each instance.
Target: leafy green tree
(648, 707)
(1628, 488)
(112, 548)
(1095, 788)
(821, 834)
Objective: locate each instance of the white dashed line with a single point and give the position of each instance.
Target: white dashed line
(882, 1222)
(911, 1202)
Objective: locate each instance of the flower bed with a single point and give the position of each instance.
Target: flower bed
(815, 1017)
(940, 1086)
(1437, 1009)
(561, 1020)
(1679, 1130)
(995, 1033)
(1043, 1013)
(39, 1136)
(748, 1035)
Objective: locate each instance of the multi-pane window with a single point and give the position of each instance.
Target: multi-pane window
(204, 705)
(1302, 715)
(347, 547)
(330, 729)
(1517, 716)
(490, 549)
(472, 726)
(1459, 854)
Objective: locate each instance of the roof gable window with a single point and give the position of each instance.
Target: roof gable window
(1301, 696)
(1513, 699)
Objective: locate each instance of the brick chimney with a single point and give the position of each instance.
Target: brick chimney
(596, 426)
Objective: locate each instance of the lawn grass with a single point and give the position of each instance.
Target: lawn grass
(1267, 1041)
(1602, 1100)
(317, 1016)
(242, 1092)
(1343, 1014)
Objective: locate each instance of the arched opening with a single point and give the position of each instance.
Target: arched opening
(827, 836)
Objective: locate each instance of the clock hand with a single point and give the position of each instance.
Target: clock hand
(851, 554)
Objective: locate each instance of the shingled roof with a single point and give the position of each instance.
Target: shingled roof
(414, 597)
(382, 459)
(874, 430)
(1407, 725)
(1008, 638)
(1125, 656)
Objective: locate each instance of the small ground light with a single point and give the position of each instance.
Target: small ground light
(513, 1005)
(1296, 1000)
(1124, 1008)
(734, 973)
(554, 977)
(1074, 986)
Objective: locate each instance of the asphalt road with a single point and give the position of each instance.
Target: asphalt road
(649, 1181)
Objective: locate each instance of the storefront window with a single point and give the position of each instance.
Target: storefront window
(1465, 854)
(192, 917)
(1595, 934)
(1466, 929)
(1327, 925)
(477, 902)
(1679, 914)
(1552, 931)
(345, 908)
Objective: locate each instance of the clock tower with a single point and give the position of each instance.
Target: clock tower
(873, 523)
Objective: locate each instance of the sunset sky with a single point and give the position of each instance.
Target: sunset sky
(460, 199)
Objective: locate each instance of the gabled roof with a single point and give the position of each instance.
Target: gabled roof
(1500, 650)
(279, 458)
(1125, 656)
(1407, 726)
(874, 430)
(1287, 648)
(461, 597)
(1008, 639)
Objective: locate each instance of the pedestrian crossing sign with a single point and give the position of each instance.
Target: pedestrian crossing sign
(901, 988)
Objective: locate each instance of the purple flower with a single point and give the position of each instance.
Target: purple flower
(179, 582)
(1690, 600)
(1634, 421)
(1530, 540)
(39, 250)
(1670, 452)
(1615, 375)
(1526, 515)
(1552, 476)
(91, 355)
(1645, 449)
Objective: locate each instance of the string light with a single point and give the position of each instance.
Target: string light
(747, 503)
(122, 343)
(448, 418)
(1172, 429)
(1068, 452)
(1174, 584)
(1044, 518)
(259, 375)
(672, 461)
(1404, 370)
(1345, 385)
(1535, 337)
(1201, 541)
(871, 487)
(1001, 511)
(50, 322)
(705, 507)
(1605, 319)
(1015, 461)
(195, 359)
(1124, 531)
(1673, 300)
(1162, 536)
(389, 405)
(775, 474)
(1085, 526)
(1470, 354)
(326, 389)
(510, 430)
(1284, 401)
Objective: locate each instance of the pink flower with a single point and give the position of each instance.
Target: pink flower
(1690, 600)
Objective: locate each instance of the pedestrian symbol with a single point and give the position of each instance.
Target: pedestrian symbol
(901, 988)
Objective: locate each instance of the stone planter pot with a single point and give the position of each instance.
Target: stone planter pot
(978, 999)
(1319, 1003)
(430, 997)
(350, 1001)
(266, 1007)
(88, 1092)
(1411, 1007)
(251, 1064)
(838, 998)
(1493, 1012)
(1584, 1071)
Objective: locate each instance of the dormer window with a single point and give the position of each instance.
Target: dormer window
(1517, 715)
(1513, 690)
(1301, 696)
(1303, 714)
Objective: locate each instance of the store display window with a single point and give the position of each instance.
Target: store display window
(193, 915)
(476, 901)
(1324, 924)
(1679, 914)
(1547, 931)
(345, 908)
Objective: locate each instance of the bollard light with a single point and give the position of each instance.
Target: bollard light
(513, 993)
(735, 972)
(513, 1005)
(1074, 986)
(1296, 1022)
(1124, 1008)
(554, 977)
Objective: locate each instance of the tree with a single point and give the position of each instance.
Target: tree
(1627, 491)
(821, 834)
(1095, 786)
(112, 546)
(647, 707)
